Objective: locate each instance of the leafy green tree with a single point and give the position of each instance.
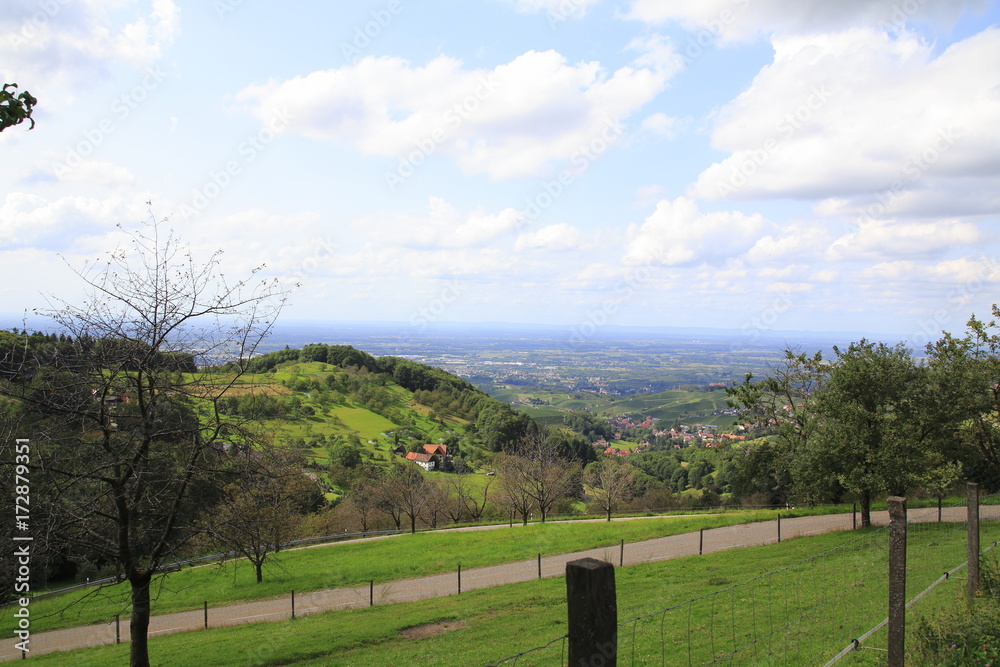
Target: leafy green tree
(872, 422)
(15, 108)
(965, 376)
(781, 402)
(761, 470)
(679, 480)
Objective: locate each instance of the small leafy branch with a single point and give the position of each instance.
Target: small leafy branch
(15, 109)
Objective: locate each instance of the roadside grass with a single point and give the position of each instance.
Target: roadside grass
(804, 598)
(353, 563)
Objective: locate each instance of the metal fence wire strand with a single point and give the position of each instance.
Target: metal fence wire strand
(829, 602)
(543, 647)
(819, 602)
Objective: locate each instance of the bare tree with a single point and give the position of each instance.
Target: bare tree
(364, 501)
(134, 405)
(259, 511)
(611, 482)
(536, 476)
(406, 493)
(470, 502)
(512, 494)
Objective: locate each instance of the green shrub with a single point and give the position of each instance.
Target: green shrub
(963, 633)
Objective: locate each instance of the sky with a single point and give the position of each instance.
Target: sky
(820, 165)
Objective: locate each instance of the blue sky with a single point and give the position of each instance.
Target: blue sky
(830, 165)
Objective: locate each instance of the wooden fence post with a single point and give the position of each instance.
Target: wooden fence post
(459, 578)
(701, 541)
(293, 604)
(371, 593)
(206, 614)
(118, 629)
(621, 556)
(972, 512)
(897, 581)
(779, 529)
(592, 612)
(539, 566)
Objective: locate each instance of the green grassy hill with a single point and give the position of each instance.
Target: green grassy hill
(688, 406)
(325, 400)
(691, 407)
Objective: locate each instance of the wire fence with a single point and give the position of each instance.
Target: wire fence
(817, 611)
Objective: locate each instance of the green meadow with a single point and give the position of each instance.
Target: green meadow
(382, 560)
(797, 602)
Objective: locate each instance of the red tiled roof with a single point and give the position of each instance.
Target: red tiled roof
(418, 457)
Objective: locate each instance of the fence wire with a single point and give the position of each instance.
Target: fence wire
(801, 614)
(931, 569)
(779, 617)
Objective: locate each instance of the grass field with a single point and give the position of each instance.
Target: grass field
(383, 560)
(798, 602)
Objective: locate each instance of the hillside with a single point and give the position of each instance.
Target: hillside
(339, 404)
(689, 406)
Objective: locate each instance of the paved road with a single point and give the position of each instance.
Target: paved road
(713, 540)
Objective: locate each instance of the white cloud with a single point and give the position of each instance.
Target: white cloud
(59, 41)
(797, 241)
(677, 233)
(967, 272)
(739, 20)
(513, 120)
(556, 9)
(880, 239)
(860, 114)
(86, 172)
(788, 288)
(553, 238)
(660, 124)
(441, 226)
(31, 220)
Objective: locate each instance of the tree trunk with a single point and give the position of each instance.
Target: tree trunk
(139, 623)
(609, 514)
(413, 524)
(260, 573)
(866, 509)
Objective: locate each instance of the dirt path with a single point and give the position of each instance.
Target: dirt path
(407, 590)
